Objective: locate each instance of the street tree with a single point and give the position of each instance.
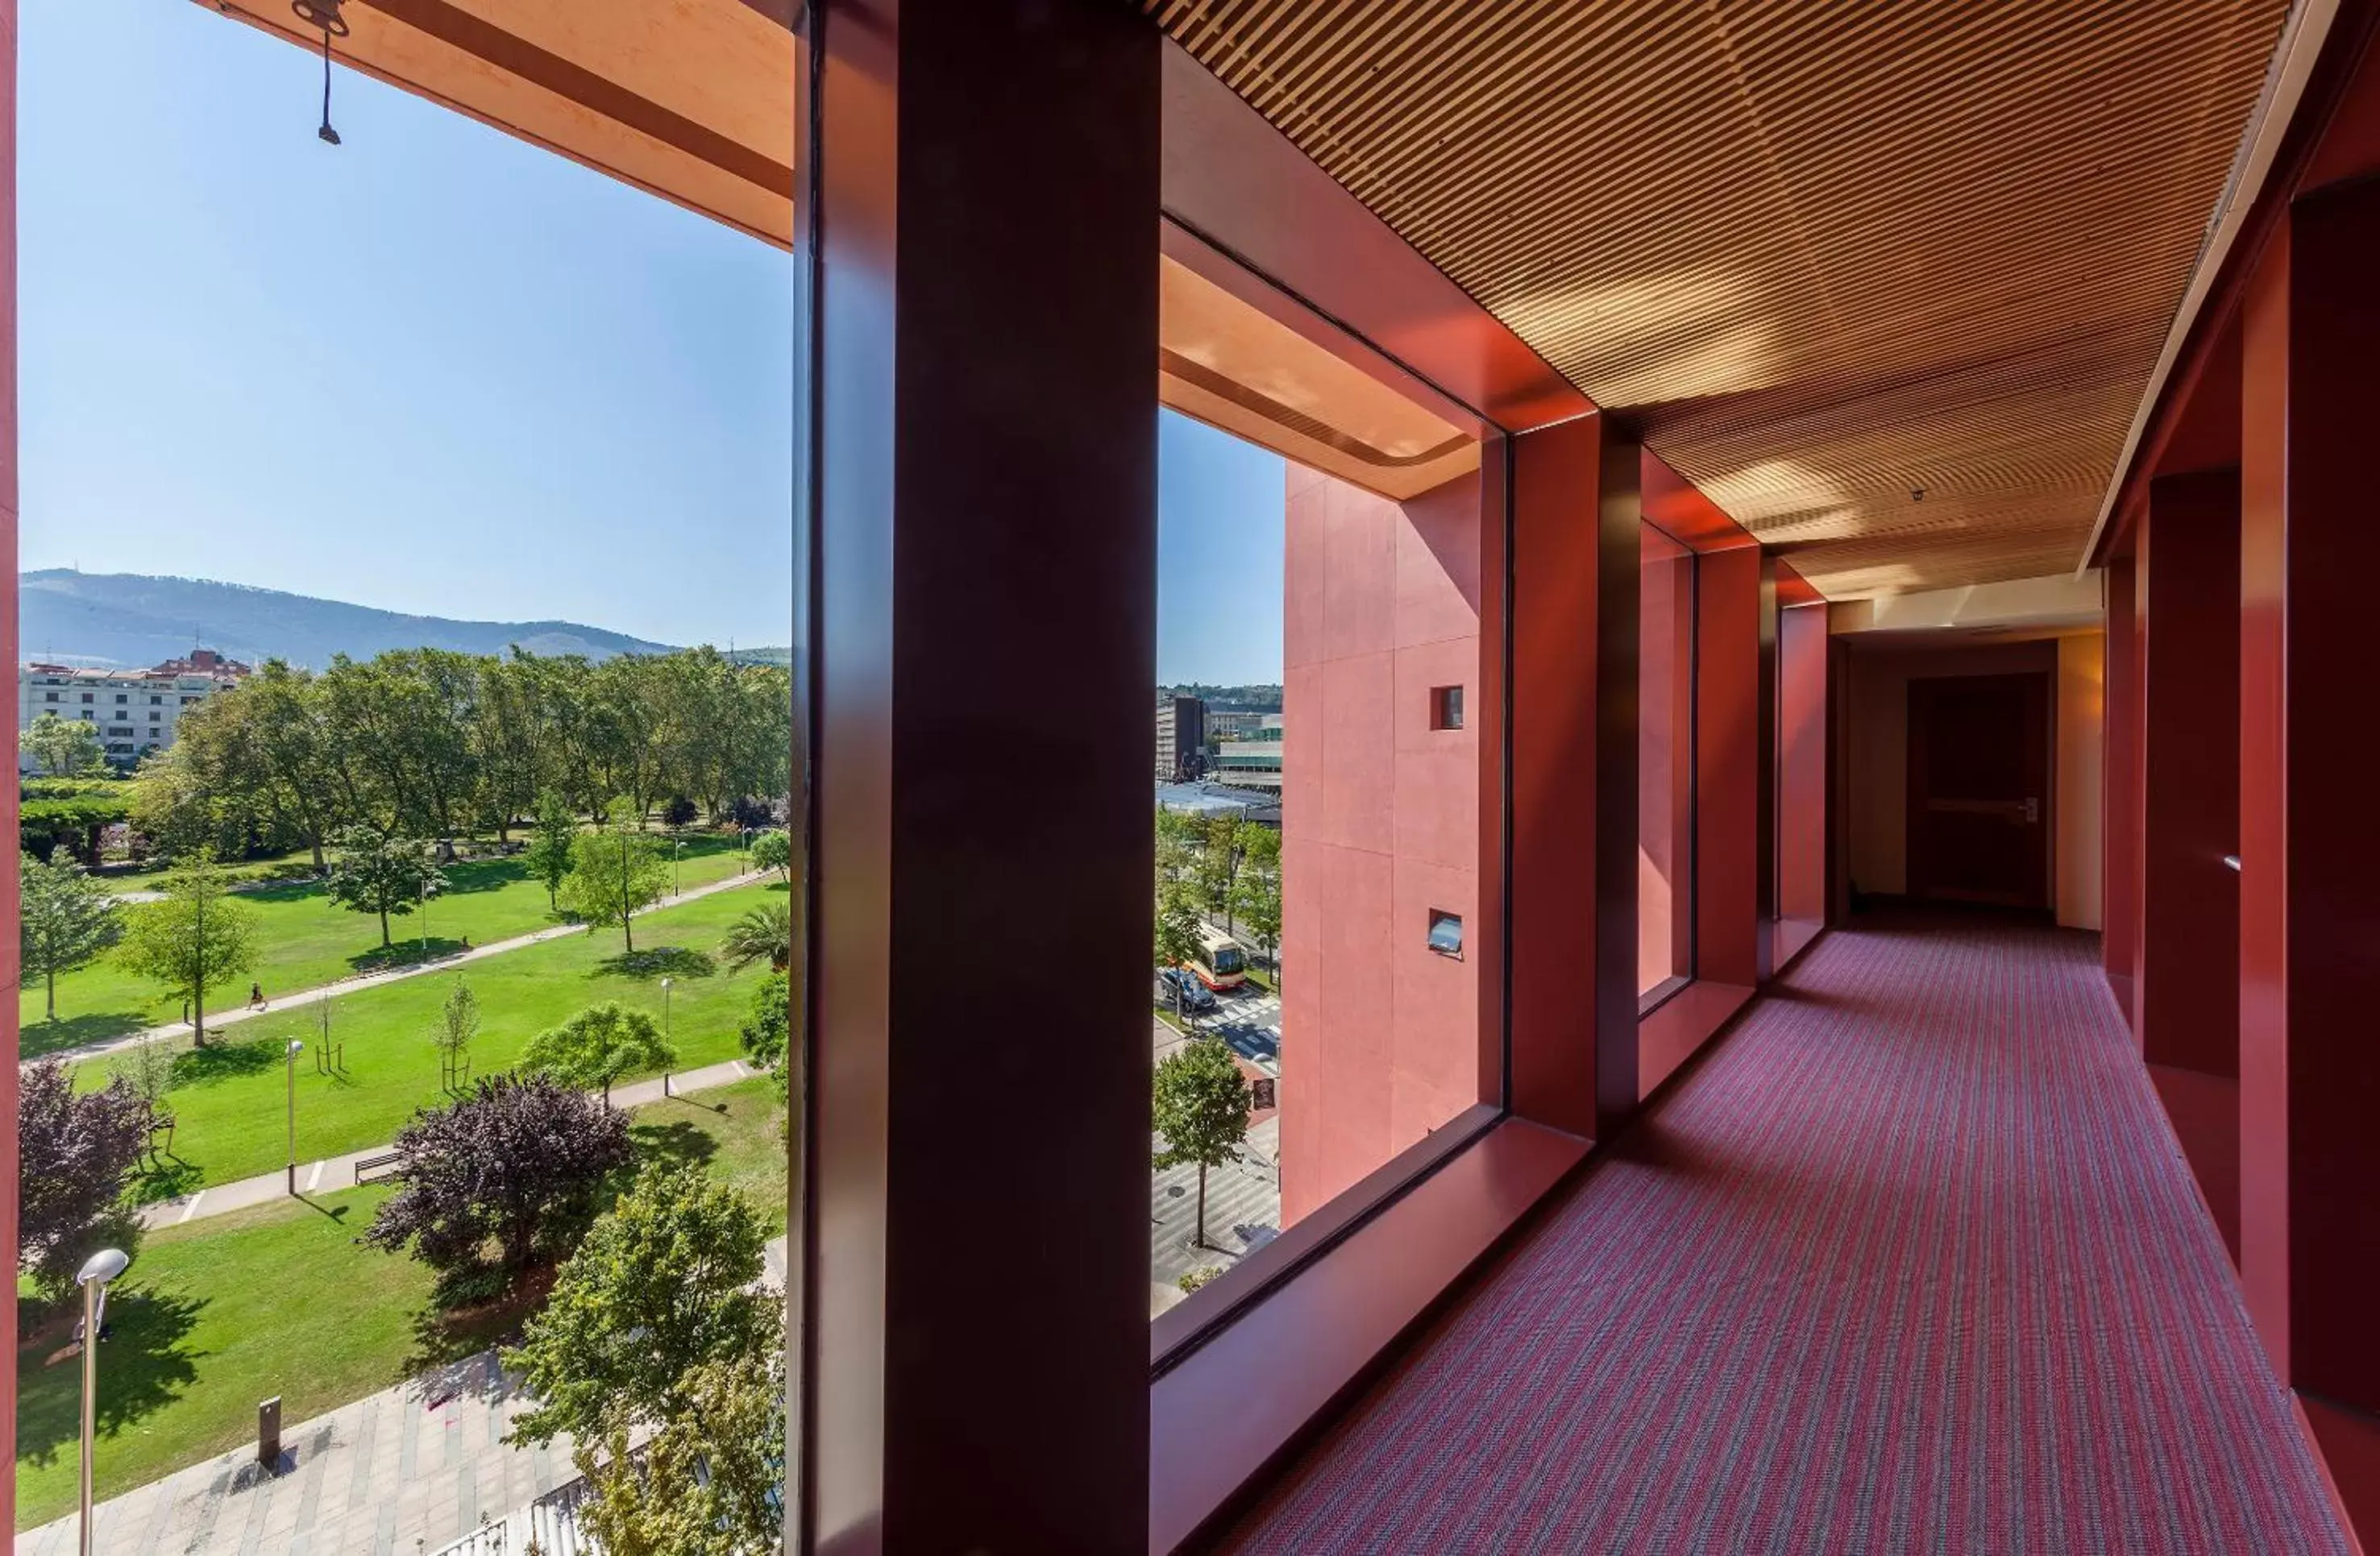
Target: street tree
(515, 1164)
(66, 920)
(1177, 924)
(1256, 893)
(661, 1286)
(1200, 1106)
(65, 747)
(773, 849)
(373, 872)
(763, 934)
(548, 857)
(709, 1482)
(75, 1153)
(617, 871)
(147, 1067)
(1220, 856)
(458, 1022)
(194, 940)
(598, 1046)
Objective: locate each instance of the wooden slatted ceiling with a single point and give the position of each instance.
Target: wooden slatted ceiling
(1822, 253)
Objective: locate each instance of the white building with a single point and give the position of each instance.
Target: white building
(1252, 760)
(135, 711)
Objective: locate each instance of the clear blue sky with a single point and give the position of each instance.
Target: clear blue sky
(435, 370)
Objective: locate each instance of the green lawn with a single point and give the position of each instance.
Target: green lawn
(230, 1100)
(306, 940)
(734, 1130)
(217, 1315)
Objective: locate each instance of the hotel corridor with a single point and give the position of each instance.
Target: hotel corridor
(1910, 1263)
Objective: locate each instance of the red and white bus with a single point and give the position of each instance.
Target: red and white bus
(1220, 964)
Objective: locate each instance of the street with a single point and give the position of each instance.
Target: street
(1242, 1199)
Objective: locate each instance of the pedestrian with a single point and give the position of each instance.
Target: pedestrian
(256, 996)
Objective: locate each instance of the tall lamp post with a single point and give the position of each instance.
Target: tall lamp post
(97, 1271)
(296, 1044)
(678, 878)
(665, 1034)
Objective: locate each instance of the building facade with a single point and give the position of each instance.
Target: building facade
(1181, 739)
(135, 711)
(1248, 754)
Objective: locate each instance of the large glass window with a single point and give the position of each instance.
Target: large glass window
(422, 984)
(1665, 780)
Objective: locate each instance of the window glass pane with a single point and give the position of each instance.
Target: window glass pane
(1315, 872)
(423, 957)
(1665, 765)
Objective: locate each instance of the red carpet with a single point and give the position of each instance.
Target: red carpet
(1910, 1264)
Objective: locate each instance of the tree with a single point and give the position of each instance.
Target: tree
(767, 1032)
(711, 1480)
(375, 873)
(548, 845)
(659, 1286)
(1219, 864)
(64, 745)
(517, 1162)
(193, 939)
(148, 1068)
(66, 920)
(458, 1022)
(1177, 924)
(1200, 1106)
(765, 933)
(677, 811)
(598, 1046)
(617, 871)
(1256, 894)
(75, 1153)
(774, 850)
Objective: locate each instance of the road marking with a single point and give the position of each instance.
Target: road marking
(192, 1208)
(315, 1176)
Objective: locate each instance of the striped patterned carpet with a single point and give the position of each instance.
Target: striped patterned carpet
(1910, 1264)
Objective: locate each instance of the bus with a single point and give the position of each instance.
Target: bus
(1221, 963)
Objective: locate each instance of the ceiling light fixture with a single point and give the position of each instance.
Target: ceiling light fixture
(324, 14)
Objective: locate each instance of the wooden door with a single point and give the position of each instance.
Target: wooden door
(1979, 789)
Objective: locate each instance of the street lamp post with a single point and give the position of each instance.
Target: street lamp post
(97, 1271)
(677, 877)
(665, 1034)
(295, 1045)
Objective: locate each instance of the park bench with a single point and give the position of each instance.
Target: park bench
(377, 1164)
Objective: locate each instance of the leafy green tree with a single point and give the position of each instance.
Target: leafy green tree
(598, 1046)
(661, 1286)
(617, 871)
(768, 1030)
(373, 873)
(548, 857)
(711, 1481)
(1177, 924)
(774, 850)
(1220, 856)
(458, 1022)
(1200, 1106)
(75, 1152)
(192, 940)
(66, 920)
(1256, 893)
(64, 746)
(516, 1164)
(763, 934)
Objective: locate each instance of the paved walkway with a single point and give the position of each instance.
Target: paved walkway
(217, 1020)
(339, 1172)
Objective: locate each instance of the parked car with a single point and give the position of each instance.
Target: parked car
(1180, 988)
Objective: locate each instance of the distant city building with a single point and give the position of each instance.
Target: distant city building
(1235, 724)
(1250, 759)
(135, 711)
(1181, 738)
(1211, 798)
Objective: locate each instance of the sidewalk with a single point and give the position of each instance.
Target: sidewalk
(218, 1020)
(339, 1172)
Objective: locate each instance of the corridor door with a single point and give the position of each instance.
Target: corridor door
(1979, 789)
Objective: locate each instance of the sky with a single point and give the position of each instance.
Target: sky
(439, 370)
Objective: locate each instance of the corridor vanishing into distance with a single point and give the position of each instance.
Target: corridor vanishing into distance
(1910, 1263)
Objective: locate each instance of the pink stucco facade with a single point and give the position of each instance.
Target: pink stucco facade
(1380, 828)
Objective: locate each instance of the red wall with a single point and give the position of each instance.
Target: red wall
(1380, 826)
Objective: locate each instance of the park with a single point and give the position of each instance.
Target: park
(481, 978)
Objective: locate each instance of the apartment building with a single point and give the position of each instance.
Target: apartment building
(134, 712)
